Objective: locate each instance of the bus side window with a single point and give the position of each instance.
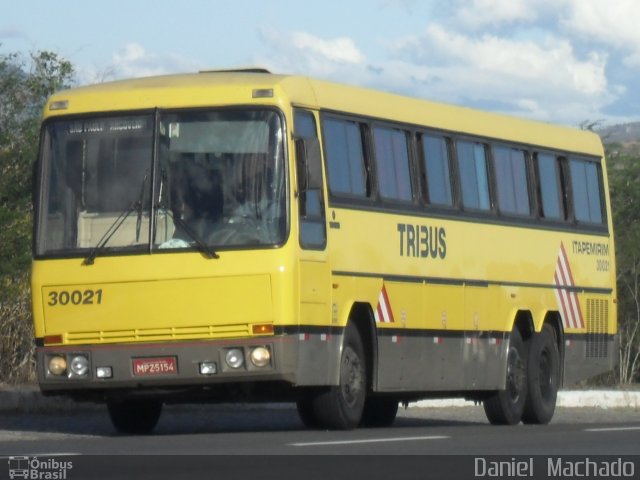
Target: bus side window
(474, 175)
(585, 191)
(511, 180)
(436, 154)
(550, 198)
(313, 233)
(345, 158)
(392, 164)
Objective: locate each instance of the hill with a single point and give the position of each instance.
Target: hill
(623, 138)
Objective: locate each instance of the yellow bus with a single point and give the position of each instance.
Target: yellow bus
(246, 236)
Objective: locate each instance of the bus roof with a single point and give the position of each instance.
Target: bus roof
(223, 88)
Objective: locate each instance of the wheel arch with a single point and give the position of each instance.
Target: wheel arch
(523, 321)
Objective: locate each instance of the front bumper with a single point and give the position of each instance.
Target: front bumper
(188, 356)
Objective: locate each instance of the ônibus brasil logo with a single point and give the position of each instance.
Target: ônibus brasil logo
(37, 469)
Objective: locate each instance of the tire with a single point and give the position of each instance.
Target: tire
(340, 407)
(134, 416)
(379, 411)
(306, 411)
(543, 377)
(505, 407)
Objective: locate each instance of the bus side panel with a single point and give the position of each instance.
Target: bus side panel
(419, 363)
(444, 346)
(318, 357)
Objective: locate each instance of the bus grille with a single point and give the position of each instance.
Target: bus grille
(159, 334)
(597, 328)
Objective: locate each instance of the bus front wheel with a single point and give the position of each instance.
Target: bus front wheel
(379, 411)
(340, 407)
(505, 407)
(137, 416)
(306, 411)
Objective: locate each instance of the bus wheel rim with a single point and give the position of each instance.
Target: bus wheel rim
(351, 376)
(515, 375)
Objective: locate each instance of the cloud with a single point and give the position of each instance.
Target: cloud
(611, 23)
(482, 13)
(551, 61)
(301, 52)
(525, 57)
(133, 60)
(544, 59)
(8, 31)
(339, 50)
(542, 78)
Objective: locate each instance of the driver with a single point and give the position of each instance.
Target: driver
(197, 199)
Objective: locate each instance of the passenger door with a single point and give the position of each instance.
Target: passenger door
(316, 343)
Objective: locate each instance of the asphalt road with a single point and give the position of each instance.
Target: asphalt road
(269, 430)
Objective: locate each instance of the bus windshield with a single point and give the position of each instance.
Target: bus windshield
(162, 182)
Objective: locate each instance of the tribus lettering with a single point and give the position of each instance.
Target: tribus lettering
(422, 241)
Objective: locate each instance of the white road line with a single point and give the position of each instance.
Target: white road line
(611, 429)
(31, 455)
(368, 440)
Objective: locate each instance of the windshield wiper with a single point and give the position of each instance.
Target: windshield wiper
(115, 226)
(139, 205)
(203, 247)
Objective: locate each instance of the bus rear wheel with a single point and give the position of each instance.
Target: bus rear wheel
(505, 407)
(340, 407)
(134, 416)
(543, 377)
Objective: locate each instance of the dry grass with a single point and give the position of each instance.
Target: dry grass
(17, 348)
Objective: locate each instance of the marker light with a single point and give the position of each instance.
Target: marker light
(80, 365)
(262, 329)
(235, 358)
(50, 339)
(104, 372)
(208, 368)
(262, 93)
(57, 365)
(260, 356)
(59, 105)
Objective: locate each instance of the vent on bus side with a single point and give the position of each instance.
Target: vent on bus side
(597, 328)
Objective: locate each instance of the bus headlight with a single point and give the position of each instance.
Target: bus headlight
(80, 365)
(260, 356)
(235, 358)
(57, 365)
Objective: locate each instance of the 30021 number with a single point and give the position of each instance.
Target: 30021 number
(75, 297)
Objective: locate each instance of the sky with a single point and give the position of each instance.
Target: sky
(559, 61)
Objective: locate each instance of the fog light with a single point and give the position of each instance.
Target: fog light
(235, 358)
(80, 365)
(104, 372)
(57, 365)
(260, 356)
(208, 368)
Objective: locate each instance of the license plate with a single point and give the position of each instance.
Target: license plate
(155, 366)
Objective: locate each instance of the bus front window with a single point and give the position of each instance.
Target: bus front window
(94, 170)
(219, 180)
(222, 179)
